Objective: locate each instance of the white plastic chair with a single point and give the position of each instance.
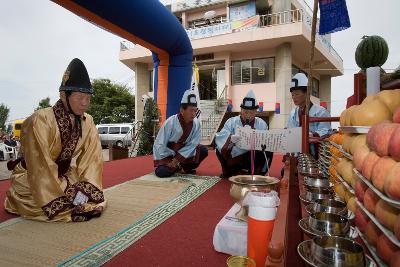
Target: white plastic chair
(8, 151)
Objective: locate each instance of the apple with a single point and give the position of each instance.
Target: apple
(361, 219)
(369, 164)
(392, 182)
(386, 249)
(372, 233)
(395, 261)
(396, 115)
(397, 227)
(374, 132)
(383, 137)
(386, 214)
(380, 170)
(394, 145)
(370, 200)
(359, 156)
(360, 189)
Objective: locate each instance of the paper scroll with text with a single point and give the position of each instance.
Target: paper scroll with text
(275, 140)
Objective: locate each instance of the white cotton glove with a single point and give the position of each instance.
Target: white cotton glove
(80, 198)
(235, 138)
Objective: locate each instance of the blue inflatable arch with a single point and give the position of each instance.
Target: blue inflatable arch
(150, 24)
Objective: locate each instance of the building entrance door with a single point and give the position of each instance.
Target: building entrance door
(207, 85)
(220, 82)
(211, 80)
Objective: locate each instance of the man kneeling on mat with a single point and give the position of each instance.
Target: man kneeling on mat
(177, 146)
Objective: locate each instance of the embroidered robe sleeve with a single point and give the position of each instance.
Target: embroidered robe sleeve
(42, 171)
(90, 164)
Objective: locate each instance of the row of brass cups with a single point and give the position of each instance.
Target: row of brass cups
(328, 223)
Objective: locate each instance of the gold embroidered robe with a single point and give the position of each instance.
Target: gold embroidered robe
(38, 191)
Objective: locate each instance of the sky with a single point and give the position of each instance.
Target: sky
(39, 39)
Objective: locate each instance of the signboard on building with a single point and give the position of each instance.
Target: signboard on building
(223, 28)
(203, 32)
(181, 5)
(242, 11)
(245, 24)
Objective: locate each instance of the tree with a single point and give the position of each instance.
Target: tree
(44, 103)
(4, 111)
(9, 129)
(111, 103)
(149, 130)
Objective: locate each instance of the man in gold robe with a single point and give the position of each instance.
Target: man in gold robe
(46, 183)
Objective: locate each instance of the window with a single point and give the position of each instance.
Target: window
(124, 130)
(206, 22)
(203, 57)
(18, 126)
(315, 88)
(102, 130)
(260, 70)
(236, 72)
(114, 130)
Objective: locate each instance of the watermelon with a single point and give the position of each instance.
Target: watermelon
(371, 51)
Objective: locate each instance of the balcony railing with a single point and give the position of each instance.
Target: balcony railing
(297, 15)
(258, 21)
(279, 18)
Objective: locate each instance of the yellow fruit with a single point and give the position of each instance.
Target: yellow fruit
(352, 204)
(358, 141)
(391, 98)
(370, 113)
(349, 113)
(347, 141)
(343, 118)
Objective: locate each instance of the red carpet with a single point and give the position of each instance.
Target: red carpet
(186, 238)
(4, 185)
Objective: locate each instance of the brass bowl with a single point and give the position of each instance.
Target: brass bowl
(316, 182)
(240, 261)
(329, 224)
(309, 170)
(305, 252)
(337, 251)
(330, 206)
(314, 193)
(242, 184)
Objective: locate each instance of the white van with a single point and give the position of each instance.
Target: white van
(119, 134)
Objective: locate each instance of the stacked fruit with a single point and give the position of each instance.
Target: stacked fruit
(374, 109)
(376, 156)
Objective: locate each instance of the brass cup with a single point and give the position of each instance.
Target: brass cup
(330, 206)
(337, 251)
(329, 224)
(242, 184)
(240, 261)
(314, 193)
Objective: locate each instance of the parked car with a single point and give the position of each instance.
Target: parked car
(119, 134)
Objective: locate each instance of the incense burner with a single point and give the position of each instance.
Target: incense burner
(242, 184)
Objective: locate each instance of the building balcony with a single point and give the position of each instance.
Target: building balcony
(256, 33)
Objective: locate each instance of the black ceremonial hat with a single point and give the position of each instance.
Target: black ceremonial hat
(76, 78)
